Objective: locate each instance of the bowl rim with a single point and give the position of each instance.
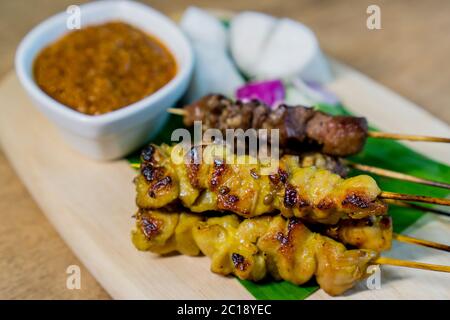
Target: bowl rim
(183, 73)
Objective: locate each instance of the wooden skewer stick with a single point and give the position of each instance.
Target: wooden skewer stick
(420, 242)
(409, 137)
(177, 111)
(396, 175)
(411, 264)
(410, 197)
(372, 134)
(417, 207)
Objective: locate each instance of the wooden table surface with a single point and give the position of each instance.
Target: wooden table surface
(408, 55)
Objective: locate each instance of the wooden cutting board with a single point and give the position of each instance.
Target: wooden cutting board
(90, 203)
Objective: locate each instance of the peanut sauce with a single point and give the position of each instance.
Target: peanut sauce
(102, 68)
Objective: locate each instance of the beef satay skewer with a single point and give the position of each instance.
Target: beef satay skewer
(361, 132)
(371, 134)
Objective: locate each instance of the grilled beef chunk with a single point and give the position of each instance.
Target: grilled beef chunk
(303, 127)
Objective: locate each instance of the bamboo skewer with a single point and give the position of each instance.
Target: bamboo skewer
(372, 134)
(415, 198)
(417, 207)
(411, 264)
(420, 242)
(409, 137)
(177, 111)
(395, 175)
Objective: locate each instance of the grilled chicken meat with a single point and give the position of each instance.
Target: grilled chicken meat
(373, 233)
(298, 126)
(322, 161)
(255, 248)
(210, 178)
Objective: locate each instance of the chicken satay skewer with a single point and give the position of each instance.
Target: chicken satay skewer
(389, 200)
(254, 248)
(381, 172)
(235, 185)
(398, 237)
(403, 238)
(374, 233)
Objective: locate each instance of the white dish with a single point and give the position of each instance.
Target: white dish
(113, 134)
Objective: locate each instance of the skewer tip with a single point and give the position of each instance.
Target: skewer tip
(411, 264)
(177, 111)
(414, 198)
(395, 175)
(408, 137)
(421, 242)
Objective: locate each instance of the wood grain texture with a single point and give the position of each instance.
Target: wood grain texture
(408, 56)
(33, 257)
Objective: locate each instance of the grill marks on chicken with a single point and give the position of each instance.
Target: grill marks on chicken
(298, 126)
(373, 233)
(255, 248)
(239, 186)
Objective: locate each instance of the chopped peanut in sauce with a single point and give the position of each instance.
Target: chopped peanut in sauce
(102, 68)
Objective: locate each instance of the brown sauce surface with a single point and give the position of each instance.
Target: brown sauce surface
(102, 68)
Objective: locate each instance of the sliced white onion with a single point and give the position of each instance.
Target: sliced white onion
(200, 26)
(249, 32)
(268, 48)
(214, 71)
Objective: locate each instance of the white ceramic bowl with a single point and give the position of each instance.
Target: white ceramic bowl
(113, 134)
